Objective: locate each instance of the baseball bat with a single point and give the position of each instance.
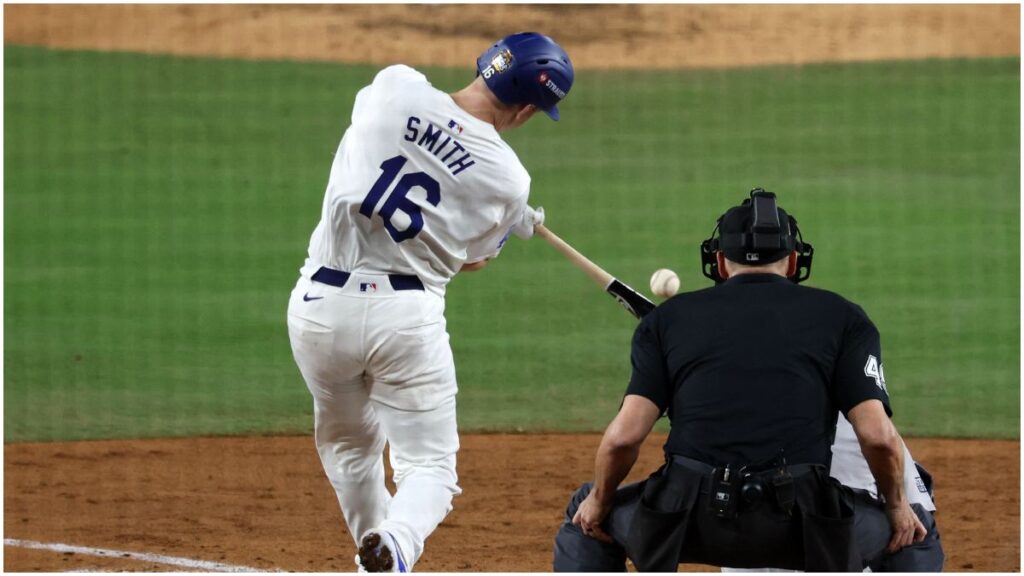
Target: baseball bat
(634, 302)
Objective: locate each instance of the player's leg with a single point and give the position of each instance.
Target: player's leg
(423, 446)
(413, 390)
(577, 552)
(347, 433)
(351, 446)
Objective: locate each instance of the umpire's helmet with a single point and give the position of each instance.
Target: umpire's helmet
(756, 232)
(527, 68)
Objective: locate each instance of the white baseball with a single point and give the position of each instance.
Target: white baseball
(664, 283)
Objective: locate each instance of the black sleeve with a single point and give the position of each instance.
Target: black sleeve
(650, 376)
(859, 374)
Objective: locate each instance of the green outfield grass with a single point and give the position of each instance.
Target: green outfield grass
(156, 211)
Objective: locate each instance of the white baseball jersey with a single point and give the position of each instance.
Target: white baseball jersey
(418, 186)
(851, 468)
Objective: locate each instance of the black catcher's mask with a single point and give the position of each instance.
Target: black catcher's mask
(756, 232)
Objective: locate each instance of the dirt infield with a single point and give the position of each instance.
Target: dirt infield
(265, 502)
(597, 36)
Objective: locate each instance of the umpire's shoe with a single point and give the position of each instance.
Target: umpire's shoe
(378, 552)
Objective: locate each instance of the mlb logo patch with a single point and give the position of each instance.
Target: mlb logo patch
(368, 287)
(455, 126)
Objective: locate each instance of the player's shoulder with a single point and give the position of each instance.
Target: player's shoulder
(398, 74)
(514, 185)
(518, 177)
(505, 172)
(394, 91)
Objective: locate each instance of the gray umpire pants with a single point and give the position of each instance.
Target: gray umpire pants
(871, 527)
(576, 552)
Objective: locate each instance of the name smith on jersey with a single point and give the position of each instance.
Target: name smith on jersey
(430, 140)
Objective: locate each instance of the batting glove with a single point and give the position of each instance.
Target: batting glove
(531, 218)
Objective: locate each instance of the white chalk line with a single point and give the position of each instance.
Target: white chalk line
(139, 556)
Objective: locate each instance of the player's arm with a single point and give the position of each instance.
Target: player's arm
(488, 247)
(474, 266)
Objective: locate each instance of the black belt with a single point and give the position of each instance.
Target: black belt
(698, 466)
(730, 498)
(338, 278)
(690, 463)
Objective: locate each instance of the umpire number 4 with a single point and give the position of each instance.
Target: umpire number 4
(398, 199)
(873, 369)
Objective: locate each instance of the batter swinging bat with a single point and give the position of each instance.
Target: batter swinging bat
(634, 302)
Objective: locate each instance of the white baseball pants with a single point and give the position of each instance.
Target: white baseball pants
(380, 369)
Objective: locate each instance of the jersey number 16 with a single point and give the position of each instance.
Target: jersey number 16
(398, 199)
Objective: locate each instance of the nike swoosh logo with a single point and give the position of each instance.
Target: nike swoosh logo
(307, 297)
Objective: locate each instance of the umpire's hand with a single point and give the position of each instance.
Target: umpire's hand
(906, 527)
(590, 515)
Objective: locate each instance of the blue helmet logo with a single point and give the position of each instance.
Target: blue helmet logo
(527, 68)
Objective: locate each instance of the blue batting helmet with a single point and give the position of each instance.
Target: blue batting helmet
(527, 68)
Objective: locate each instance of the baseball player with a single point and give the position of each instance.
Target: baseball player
(421, 188)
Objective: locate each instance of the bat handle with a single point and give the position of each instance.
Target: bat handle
(596, 273)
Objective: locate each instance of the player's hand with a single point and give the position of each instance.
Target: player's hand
(589, 516)
(906, 527)
(531, 218)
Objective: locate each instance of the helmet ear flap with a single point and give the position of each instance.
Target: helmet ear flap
(804, 253)
(804, 256)
(709, 256)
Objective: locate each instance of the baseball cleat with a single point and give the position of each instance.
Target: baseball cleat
(378, 552)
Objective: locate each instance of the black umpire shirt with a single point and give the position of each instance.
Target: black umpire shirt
(756, 365)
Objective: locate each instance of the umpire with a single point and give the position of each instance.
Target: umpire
(752, 373)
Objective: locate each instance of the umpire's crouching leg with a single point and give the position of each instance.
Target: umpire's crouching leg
(576, 552)
(925, 556)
